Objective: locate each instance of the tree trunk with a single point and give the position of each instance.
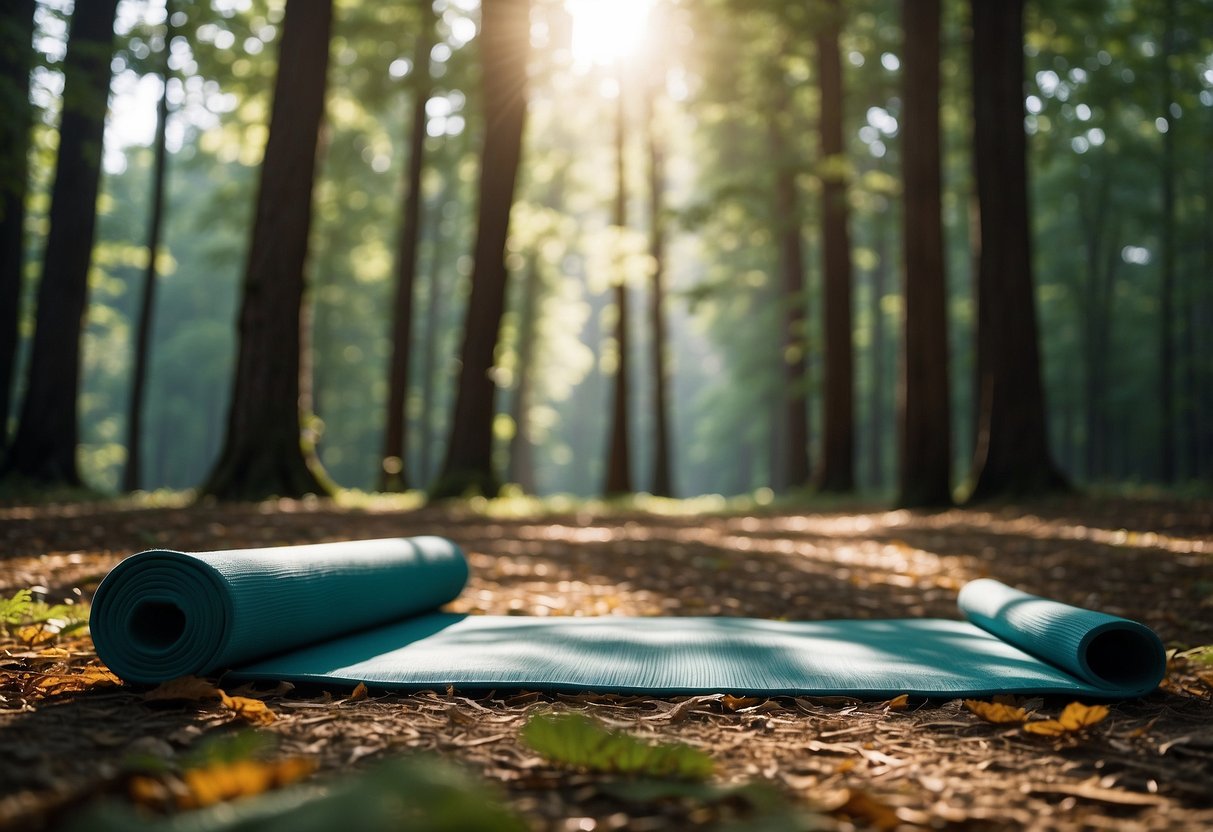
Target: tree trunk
(504, 49)
(925, 421)
(619, 455)
(133, 473)
(793, 463)
(1012, 454)
(44, 447)
(522, 452)
(392, 473)
(264, 451)
(836, 473)
(1166, 289)
(877, 394)
(432, 325)
(662, 476)
(16, 61)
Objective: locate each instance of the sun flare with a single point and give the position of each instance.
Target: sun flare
(608, 31)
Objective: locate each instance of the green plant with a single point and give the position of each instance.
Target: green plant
(580, 741)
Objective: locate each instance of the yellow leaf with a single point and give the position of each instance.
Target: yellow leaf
(250, 710)
(90, 677)
(184, 689)
(736, 703)
(899, 703)
(358, 694)
(997, 712)
(244, 778)
(1075, 718)
(35, 634)
(862, 806)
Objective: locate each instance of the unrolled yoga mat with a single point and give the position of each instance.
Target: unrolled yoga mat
(365, 611)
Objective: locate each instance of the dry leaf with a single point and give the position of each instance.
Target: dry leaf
(861, 805)
(193, 689)
(34, 634)
(1075, 718)
(94, 676)
(243, 778)
(250, 710)
(184, 689)
(999, 713)
(358, 694)
(898, 703)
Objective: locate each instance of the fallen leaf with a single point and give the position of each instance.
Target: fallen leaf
(34, 634)
(244, 778)
(250, 710)
(997, 712)
(183, 689)
(736, 703)
(1075, 718)
(93, 676)
(579, 741)
(861, 805)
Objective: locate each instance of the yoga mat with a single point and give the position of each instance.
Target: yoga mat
(366, 611)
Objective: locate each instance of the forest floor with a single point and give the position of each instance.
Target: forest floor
(69, 733)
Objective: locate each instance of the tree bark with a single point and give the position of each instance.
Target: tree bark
(504, 49)
(393, 475)
(794, 434)
(44, 448)
(619, 453)
(1166, 289)
(133, 473)
(836, 473)
(264, 451)
(662, 475)
(432, 325)
(924, 477)
(876, 426)
(16, 61)
(522, 452)
(1011, 455)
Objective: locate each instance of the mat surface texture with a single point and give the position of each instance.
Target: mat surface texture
(368, 611)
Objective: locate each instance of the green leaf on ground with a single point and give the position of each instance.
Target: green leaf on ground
(579, 741)
(420, 794)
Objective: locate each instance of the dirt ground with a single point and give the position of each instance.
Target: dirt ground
(1148, 765)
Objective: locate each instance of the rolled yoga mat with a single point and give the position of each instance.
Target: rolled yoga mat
(365, 611)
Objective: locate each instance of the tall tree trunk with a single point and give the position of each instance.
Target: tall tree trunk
(924, 477)
(1012, 453)
(430, 354)
(793, 463)
(392, 473)
(264, 450)
(619, 452)
(880, 274)
(133, 473)
(1166, 289)
(16, 61)
(1205, 313)
(504, 49)
(662, 476)
(44, 447)
(837, 467)
(522, 452)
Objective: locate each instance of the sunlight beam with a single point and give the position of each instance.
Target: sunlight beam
(607, 32)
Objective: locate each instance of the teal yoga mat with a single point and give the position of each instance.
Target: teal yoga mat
(365, 611)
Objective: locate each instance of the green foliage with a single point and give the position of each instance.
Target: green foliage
(576, 740)
(21, 610)
(416, 793)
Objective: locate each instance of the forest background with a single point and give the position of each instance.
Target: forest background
(696, 173)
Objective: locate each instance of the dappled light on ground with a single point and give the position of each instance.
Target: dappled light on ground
(1147, 765)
